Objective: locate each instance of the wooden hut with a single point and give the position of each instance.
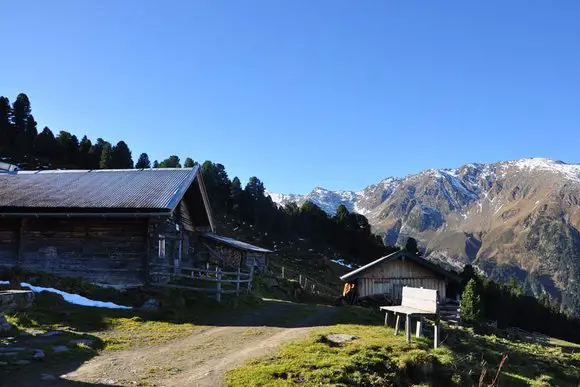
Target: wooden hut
(113, 227)
(228, 252)
(386, 277)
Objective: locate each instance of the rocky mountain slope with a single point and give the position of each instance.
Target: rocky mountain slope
(519, 218)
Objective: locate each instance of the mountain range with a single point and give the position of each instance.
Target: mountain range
(508, 219)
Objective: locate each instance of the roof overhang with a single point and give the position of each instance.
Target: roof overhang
(236, 244)
(403, 255)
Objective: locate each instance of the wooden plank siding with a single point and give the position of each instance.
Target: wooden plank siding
(109, 251)
(9, 241)
(390, 277)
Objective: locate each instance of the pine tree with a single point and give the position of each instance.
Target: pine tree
(143, 161)
(121, 156)
(105, 162)
(24, 125)
(45, 144)
(189, 163)
(412, 247)
(85, 153)
(471, 306)
(255, 188)
(171, 162)
(155, 164)
(68, 148)
(341, 214)
(7, 136)
(235, 197)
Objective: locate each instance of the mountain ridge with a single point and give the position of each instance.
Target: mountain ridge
(512, 218)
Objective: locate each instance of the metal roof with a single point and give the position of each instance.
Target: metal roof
(403, 255)
(158, 189)
(236, 243)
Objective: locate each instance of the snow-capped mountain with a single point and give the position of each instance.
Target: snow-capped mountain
(517, 218)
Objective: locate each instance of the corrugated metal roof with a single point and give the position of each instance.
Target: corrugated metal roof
(236, 243)
(153, 189)
(400, 254)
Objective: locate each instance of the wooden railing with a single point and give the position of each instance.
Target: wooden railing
(226, 282)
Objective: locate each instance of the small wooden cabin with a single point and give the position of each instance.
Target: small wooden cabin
(386, 276)
(112, 227)
(229, 252)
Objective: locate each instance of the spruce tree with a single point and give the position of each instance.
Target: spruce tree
(105, 162)
(471, 305)
(143, 161)
(171, 162)
(45, 144)
(121, 156)
(6, 128)
(412, 247)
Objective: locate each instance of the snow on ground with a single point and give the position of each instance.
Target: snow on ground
(70, 297)
(341, 263)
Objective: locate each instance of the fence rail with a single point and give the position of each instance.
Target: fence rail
(206, 275)
(307, 283)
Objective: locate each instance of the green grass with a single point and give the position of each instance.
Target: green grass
(121, 329)
(379, 358)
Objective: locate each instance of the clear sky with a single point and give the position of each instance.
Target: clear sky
(330, 93)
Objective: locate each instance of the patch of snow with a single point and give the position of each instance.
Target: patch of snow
(70, 297)
(341, 262)
(569, 171)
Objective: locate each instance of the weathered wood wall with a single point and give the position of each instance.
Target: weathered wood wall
(8, 241)
(390, 277)
(108, 251)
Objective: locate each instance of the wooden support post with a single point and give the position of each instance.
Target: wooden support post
(251, 279)
(386, 318)
(397, 322)
(238, 283)
(282, 272)
(436, 334)
(419, 327)
(206, 274)
(300, 279)
(408, 328)
(305, 280)
(218, 276)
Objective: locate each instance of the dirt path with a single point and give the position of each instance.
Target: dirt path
(202, 358)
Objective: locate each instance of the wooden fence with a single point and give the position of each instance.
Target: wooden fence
(219, 281)
(307, 283)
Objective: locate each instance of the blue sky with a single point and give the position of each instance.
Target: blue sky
(302, 93)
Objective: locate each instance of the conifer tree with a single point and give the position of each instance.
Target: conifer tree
(6, 129)
(471, 306)
(143, 161)
(105, 162)
(411, 246)
(171, 162)
(155, 164)
(189, 163)
(121, 156)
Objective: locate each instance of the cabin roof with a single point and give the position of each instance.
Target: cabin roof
(400, 255)
(100, 191)
(236, 243)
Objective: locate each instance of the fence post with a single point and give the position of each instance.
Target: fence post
(238, 283)
(218, 276)
(251, 279)
(282, 272)
(300, 279)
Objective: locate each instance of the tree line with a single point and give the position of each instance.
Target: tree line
(348, 233)
(509, 305)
